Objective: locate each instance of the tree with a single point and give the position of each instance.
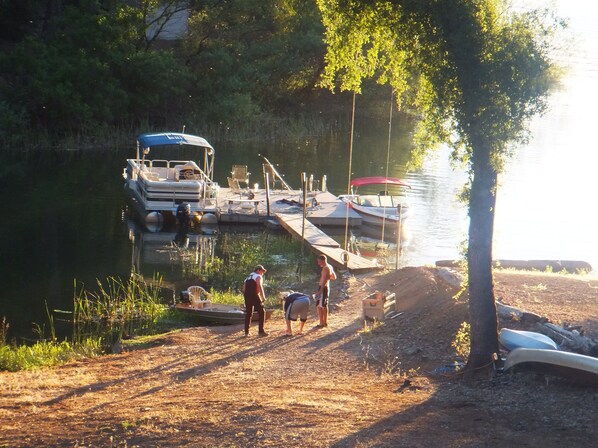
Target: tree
(253, 56)
(475, 72)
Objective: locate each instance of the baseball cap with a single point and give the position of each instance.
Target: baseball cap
(259, 267)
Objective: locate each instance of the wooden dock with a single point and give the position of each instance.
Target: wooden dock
(323, 208)
(321, 243)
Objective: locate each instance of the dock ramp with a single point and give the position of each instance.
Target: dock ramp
(321, 243)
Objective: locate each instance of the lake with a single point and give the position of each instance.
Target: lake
(64, 213)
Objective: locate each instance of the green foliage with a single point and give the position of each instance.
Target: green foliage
(82, 68)
(462, 343)
(238, 254)
(119, 301)
(44, 352)
(252, 56)
(474, 71)
(47, 353)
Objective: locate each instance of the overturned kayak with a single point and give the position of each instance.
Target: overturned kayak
(512, 339)
(576, 367)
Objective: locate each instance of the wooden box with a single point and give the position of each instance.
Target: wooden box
(377, 305)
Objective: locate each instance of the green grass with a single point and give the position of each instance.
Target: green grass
(232, 298)
(47, 353)
(117, 300)
(15, 357)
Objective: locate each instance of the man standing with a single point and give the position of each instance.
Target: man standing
(322, 295)
(253, 292)
(296, 304)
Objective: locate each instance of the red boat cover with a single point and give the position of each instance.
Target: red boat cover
(379, 180)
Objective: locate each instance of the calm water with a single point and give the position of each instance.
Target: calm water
(69, 224)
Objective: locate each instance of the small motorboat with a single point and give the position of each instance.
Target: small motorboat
(217, 313)
(512, 339)
(382, 207)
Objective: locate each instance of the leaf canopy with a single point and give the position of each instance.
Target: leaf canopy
(474, 71)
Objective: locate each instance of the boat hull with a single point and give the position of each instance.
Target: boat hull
(218, 314)
(377, 216)
(513, 339)
(573, 366)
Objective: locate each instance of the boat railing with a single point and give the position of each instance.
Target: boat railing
(174, 168)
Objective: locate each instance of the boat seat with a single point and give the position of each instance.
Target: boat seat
(201, 303)
(149, 175)
(240, 174)
(196, 295)
(233, 184)
(188, 171)
(368, 201)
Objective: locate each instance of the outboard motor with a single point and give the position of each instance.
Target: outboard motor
(184, 297)
(183, 216)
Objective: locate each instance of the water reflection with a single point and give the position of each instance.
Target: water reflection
(178, 254)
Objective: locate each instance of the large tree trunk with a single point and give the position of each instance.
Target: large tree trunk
(482, 305)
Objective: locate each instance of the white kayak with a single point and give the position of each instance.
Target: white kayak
(580, 368)
(512, 339)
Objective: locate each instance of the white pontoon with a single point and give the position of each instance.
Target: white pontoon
(158, 187)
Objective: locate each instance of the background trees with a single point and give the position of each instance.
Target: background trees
(477, 73)
(76, 66)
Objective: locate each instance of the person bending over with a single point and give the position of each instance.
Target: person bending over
(296, 305)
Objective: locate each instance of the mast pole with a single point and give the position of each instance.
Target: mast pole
(349, 175)
(387, 161)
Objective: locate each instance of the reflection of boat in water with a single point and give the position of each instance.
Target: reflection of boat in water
(217, 313)
(381, 208)
(158, 187)
(156, 249)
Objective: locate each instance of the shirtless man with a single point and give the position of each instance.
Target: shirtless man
(323, 290)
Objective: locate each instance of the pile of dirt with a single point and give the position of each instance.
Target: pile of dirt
(429, 318)
(352, 384)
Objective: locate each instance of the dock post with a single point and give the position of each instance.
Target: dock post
(267, 182)
(398, 237)
(304, 194)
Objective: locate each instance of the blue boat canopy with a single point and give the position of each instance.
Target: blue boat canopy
(172, 138)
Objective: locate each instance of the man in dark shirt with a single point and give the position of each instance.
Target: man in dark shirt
(253, 292)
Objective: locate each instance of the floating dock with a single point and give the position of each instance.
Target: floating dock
(323, 208)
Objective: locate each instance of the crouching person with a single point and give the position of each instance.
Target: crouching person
(296, 305)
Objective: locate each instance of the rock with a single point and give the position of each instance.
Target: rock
(451, 277)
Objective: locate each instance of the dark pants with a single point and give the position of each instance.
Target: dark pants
(250, 305)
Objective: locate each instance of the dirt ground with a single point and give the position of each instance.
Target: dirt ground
(347, 385)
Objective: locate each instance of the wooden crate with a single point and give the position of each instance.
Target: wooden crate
(378, 305)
